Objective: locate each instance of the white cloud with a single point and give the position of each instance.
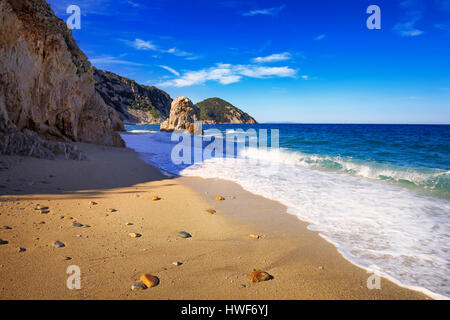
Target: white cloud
(108, 60)
(170, 70)
(140, 44)
(320, 37)
(273, 58)
(227, 74)
(407, 29)
(266, 12)
(305, 77)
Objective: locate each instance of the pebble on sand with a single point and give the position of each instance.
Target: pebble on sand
(92, 203)
(58, 244)
(177, 263)
(220, 198)
(111, 210)
(39, 207)
(20, 249)
(135, 235)
(149, 280)
(7, 227)
(129, 223)
(254, 236)
(258, 276)
(156, 198)
(2, 242)
(184, 234)
(138, 286)
(210, 211)
(77, 224)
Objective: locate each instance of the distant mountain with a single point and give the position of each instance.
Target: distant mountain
(135, 103)
(216, 110)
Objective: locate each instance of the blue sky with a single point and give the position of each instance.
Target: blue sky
(298, 61)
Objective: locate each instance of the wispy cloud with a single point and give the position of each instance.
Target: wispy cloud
(171, 70)
(266, 12)
(414, 12)
(109, 60)
(320, 37)
(140, 44)
(273, 58)
(227, 74)
(442, 26)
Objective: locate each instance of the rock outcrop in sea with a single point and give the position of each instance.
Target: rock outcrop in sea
(47, 89)
(216, 110)
(136, 104)
(183, 114)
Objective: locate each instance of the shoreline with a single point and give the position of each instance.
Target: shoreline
(216, 261)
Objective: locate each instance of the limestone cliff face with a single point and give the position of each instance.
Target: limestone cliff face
(46, 82)
(216, 110)
(136, 104)
(183, 114)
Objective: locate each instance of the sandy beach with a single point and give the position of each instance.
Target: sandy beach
(215, 261)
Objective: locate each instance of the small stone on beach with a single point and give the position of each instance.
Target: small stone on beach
(2, 242)
(111, 210)
(176, 263)
(20, 249)
(77, 224)
(58, 244)
(156, 198)
(210, 211)
(92, 203)
(255, 236)
(129, 223)
(138, 286)
(6, 228)
(258, 276)
(149, 280)
(184, 234)
(220, 198)
(135, 235)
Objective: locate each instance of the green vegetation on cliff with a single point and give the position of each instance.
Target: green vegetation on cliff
(221, 111)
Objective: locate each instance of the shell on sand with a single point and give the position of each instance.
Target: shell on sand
(210, 211)
(155, 198)
(254, 236)
(149, 280)
(258, 276)
(220, 198)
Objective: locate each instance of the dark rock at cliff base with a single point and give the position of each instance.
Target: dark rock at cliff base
(47, 85)
(135, 103)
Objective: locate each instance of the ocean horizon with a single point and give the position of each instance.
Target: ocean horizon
(379, 193)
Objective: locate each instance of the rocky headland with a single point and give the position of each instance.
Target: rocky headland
(135, 103)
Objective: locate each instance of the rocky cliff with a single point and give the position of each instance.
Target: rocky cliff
(216, 110)
(47, 85)
(136, 104)
(183, 114)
